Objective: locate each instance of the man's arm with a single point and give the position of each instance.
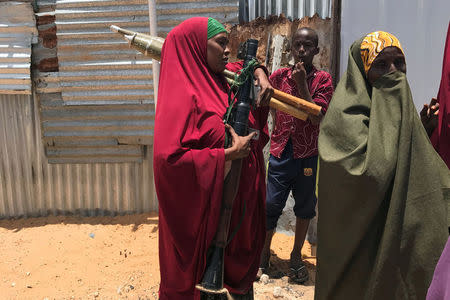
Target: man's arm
(262, 77)
(266, 89)
(322, 93)
(299, 75)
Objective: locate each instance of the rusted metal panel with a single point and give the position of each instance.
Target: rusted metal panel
(30, 186)
(284, 28)
(17, 33)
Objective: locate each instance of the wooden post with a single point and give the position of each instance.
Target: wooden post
(277, 42)
(155, 75)
(335, 41)
(154, 32)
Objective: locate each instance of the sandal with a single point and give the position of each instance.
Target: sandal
(299, 273)
(262, 270)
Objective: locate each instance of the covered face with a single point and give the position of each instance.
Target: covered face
(381, 53)
(217, 48)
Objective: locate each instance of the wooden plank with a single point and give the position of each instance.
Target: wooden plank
(335, 41)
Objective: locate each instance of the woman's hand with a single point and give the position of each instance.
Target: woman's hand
(266, 89)
(315, 120)
(429, 115)
(240, 145)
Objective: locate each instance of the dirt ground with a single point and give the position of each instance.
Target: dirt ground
(71, 257)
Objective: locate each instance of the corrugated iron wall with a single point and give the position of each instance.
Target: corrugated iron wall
(96, 66)
(95, 93)
(17, 33)
(172, 12)
(30, 186)
(45, 136)
(292, 9)
(97, 102)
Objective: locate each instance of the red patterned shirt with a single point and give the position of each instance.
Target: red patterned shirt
(304, 134)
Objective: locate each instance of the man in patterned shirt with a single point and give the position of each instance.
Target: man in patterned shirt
(293, 149)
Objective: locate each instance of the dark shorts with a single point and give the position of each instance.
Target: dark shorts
(286, 174)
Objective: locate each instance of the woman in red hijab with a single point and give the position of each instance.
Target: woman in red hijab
(190, 163)
(440, 131)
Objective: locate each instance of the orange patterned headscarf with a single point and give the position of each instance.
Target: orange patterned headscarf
(374, 43)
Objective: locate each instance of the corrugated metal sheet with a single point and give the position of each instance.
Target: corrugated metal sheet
(292, 9)
(17, 33)
(101, 133)
(29, 186)
(172, 12)
(107, 71)
(96, 66)
(99, 105)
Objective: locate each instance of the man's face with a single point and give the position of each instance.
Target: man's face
(389, 60)
(304, 46)
(217, 52)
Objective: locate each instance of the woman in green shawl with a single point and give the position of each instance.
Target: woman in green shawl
(383, 190)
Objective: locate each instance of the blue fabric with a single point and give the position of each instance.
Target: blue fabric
(286, 174)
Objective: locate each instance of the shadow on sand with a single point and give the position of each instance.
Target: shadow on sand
(106, 218)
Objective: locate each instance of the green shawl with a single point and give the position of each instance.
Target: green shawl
(383, 192)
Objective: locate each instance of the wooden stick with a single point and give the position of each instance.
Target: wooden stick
(299, 103)
(289, 109)
(281, 106)
(295, 103)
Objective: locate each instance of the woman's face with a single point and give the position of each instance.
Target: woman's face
(217, 52)
(389, 60)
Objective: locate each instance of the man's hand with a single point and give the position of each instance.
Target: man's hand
(299, 73)
(266, 89)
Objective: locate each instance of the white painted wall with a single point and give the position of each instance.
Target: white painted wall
(420, 25)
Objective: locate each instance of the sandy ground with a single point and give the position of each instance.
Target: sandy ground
(71, 257)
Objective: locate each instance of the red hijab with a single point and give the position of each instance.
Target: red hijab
(189, 170)
(441, 135)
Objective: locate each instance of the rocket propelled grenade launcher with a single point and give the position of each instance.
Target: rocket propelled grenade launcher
(212, 282)
(151, 46)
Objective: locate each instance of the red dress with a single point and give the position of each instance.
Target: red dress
(441, 135)
(188, 162)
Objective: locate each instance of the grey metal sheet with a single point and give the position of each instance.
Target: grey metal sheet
(103, 91)
(17, 33)
(172, 12)
(127, 124)
(292, 9)
(86, 44)
(30, 186)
